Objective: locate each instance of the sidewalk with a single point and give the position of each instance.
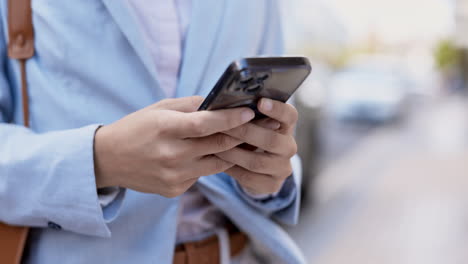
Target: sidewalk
(399, 197)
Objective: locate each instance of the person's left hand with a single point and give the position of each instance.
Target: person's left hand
(263, 172)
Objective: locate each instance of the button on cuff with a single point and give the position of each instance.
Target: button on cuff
(54, 226)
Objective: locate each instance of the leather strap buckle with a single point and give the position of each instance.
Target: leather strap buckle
(20, 29)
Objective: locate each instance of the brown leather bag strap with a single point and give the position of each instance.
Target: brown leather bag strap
(20, 29)
(20, 47)
(21, 43)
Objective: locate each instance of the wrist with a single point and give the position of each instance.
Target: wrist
(102, 166)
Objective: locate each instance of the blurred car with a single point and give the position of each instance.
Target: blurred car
(368, 93)
(309, 101)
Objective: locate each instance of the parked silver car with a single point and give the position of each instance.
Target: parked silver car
(374, 94)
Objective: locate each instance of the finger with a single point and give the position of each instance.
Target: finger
(255, 183)
(285, 113)
(268, 123)
(265, 139)
(184, 104)
(204, 123)
(263, 163)
(211, 144)
(209, 165)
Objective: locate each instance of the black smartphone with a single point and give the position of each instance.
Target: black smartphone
(247, 80)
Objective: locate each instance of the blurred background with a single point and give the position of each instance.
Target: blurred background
(383, 129)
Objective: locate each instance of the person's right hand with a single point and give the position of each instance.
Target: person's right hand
(165, 147)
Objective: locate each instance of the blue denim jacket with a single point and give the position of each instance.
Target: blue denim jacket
(91, 68)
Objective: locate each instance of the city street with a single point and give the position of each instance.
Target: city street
(392, 194)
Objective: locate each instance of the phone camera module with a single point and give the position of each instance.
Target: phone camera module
(245, 77)
(263, 76)
(253, 89)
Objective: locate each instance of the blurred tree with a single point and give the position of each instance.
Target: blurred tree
(447, 55)
(449, 60)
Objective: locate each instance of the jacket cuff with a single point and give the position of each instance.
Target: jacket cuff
(71, 199)
(110, 200)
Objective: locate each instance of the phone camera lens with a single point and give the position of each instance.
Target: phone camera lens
(252, 89)
(245, 77)
(263, 76)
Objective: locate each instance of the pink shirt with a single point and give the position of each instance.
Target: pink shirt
(164, 26)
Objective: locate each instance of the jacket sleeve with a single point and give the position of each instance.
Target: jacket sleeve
(48, 179)
(284, 206)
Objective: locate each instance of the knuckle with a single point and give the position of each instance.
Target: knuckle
(168, 157)
(272, 140)
(222, 141)
(219, 165)
(288, 171)
(243, 131)
(161, 126)
(162, 130)
(292, 149)
(294, 114)
(197, 127)
(258, 164)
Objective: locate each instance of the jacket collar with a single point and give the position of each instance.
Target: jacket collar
(203, 32)
(200, 40)
(125, 20)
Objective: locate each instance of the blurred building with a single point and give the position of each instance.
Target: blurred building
(461, 18)
(311, 25)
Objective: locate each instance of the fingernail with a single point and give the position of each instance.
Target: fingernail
(247, 115)
(267, 104)
(274, 125)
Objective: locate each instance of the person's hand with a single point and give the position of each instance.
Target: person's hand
(263, 172)
(165, 147)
